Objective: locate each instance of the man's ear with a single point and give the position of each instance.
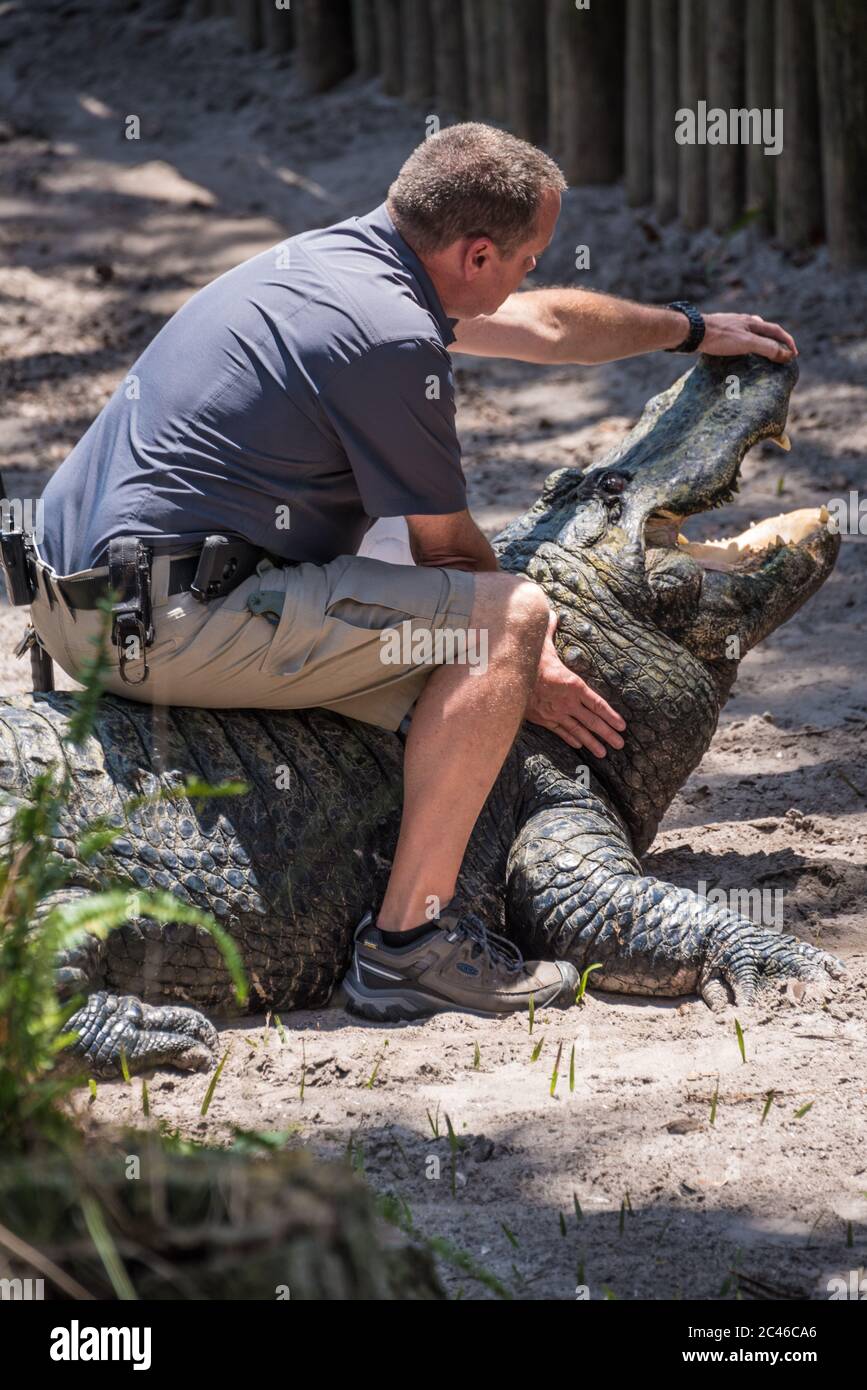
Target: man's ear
(478, 253)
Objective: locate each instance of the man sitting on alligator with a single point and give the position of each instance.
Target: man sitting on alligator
(287, 404)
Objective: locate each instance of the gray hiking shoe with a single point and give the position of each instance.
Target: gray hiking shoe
(459, 967)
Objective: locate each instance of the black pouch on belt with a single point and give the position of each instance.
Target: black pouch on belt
(16, 556)
(129, 580)
(16, 566)
(225, 562)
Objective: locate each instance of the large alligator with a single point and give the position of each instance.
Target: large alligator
(656, 623)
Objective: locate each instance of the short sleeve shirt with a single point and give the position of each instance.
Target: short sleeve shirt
(290, 401)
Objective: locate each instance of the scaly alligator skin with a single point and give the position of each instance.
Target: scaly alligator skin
(290, 867)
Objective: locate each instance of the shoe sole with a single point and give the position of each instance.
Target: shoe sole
(406, 1005)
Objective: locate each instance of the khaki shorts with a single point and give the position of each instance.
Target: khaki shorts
(334, 644)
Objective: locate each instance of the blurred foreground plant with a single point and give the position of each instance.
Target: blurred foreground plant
(33, 931)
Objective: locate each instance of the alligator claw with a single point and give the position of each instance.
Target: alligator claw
(149, 1035)
(755, 959)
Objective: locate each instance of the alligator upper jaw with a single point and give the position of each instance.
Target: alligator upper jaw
(746, 552)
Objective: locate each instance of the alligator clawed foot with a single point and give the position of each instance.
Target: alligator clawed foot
(148, 1035)
(756, 958)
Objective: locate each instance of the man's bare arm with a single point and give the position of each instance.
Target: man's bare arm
(453, 540)
(564, 325)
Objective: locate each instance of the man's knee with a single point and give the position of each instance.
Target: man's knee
(508, 602)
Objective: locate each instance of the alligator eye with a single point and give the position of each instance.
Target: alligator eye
(614, 482)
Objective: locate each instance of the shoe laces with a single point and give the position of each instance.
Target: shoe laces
(496, 949)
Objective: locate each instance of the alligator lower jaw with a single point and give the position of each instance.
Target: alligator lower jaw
(742, 553)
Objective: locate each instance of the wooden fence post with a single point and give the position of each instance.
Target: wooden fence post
(663, 29)
(591, 98)
(553, 64)
(449, 65)
(248, 20)
(323, 30)
(760, 97)
(365, 38)
(278, 35)
(474, 54)
(419, 82)
(842, 36)
(692, 166)
(526, 71)
(725, 90)
(798, 168)
(495, 59)
(390, 51)
(638, 115)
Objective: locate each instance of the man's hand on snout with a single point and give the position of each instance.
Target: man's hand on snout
(564, 703)
(729, 335)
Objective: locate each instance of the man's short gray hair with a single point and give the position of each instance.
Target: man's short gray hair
(471, 180)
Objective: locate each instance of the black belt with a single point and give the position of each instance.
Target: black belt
(219, 565)
(86, 593)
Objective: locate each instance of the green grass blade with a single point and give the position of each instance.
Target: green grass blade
(582, 985)
(555, 1075)
(106, 1249)
(212, 1085)
(510, 1235)
(740, 1036)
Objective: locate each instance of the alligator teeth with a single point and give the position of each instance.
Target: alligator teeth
(782, 440)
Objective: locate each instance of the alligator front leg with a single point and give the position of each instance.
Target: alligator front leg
(110, 1026)
(576, 892)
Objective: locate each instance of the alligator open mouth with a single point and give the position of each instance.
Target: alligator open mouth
(751, 548)
(747, 551)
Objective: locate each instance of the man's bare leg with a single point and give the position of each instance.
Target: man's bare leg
(463, 725)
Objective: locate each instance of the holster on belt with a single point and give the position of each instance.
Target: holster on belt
(41, 664)
(129, 582)
(16, 556)
(18, 567)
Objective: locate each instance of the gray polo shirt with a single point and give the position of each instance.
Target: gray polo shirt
(290, 401)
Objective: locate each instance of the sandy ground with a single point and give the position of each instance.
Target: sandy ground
(102, 238)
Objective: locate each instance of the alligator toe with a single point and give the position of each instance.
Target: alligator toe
(112, 1027)
(756, 958)
(785, 957)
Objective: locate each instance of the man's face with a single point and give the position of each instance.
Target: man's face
(507, 272)
(473, 278)
(499, 276)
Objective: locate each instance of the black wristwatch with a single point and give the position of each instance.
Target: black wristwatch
(696, 326)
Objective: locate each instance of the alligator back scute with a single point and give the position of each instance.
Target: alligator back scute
(287, 868)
